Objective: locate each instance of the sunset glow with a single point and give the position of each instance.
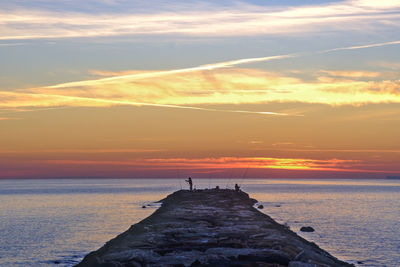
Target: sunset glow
(117, 89)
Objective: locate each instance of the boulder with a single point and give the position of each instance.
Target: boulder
(307, 229)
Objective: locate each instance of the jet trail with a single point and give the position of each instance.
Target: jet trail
(360, 46)
(138, 104)
(213, 66)
(218, 65)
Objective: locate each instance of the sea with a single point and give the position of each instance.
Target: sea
(47, 222)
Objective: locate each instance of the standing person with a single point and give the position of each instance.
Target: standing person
(190, 183)
(237, 187)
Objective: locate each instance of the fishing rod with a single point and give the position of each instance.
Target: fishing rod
(229, 180)
(244, 175)
(179, 178)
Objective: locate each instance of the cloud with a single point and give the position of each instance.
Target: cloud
(12, 44)
(193, 90)
(212, 84)
(141, 75)
(39, 100)
(80, 151)
(200, 20)
(361, 46)
(7, 118)
(231, 86)
(367, 151)
(352, 74)
(387, 65)
(382, 4)
(104, 73)
(300, 164)
(283, 144)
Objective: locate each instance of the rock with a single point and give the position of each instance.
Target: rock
(214, 227)
(300, 264)
(298, 256)
(260, 207)
(307, 229)
(195, 263)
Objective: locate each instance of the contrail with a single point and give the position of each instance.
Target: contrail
(360, 46)
(213, 66)
(138, 104)
(232, 63)
(218, 65)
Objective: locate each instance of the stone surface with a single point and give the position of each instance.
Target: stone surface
(209, 228)
(307, 229)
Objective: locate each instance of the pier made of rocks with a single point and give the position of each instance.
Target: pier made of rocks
(217, 227)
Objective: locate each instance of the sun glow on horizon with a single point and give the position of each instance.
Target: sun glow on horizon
(128, 88)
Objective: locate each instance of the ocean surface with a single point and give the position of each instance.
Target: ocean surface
(57, 222)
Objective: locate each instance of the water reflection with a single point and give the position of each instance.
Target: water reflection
(43, 221)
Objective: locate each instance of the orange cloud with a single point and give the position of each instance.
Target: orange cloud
(220, 86)
(104, 73)
(353, 74)
(212, 84)
(76, 164)
(224, 86)
(80, 151)
(7, 118)
(229, 163)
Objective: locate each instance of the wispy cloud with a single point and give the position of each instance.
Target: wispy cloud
(386, 65)
(80, 151)
(11, 44)
(140, 75)
(133, 75)
(230, 86)
(213, 84)
(223, 86)
(372, 45)
(237, 20)
(32, 100)
(352, 73)
(366, 151)
(8, 118)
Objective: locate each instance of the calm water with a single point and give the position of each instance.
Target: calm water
(43, 222)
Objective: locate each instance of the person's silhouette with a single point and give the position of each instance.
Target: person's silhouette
(237, 187)
(190, 183)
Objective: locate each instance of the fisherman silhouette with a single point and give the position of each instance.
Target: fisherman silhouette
(190, 183)
(237, 188)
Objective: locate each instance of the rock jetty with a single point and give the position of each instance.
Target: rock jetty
(217, 227)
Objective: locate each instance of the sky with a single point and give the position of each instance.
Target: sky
(212, 89)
